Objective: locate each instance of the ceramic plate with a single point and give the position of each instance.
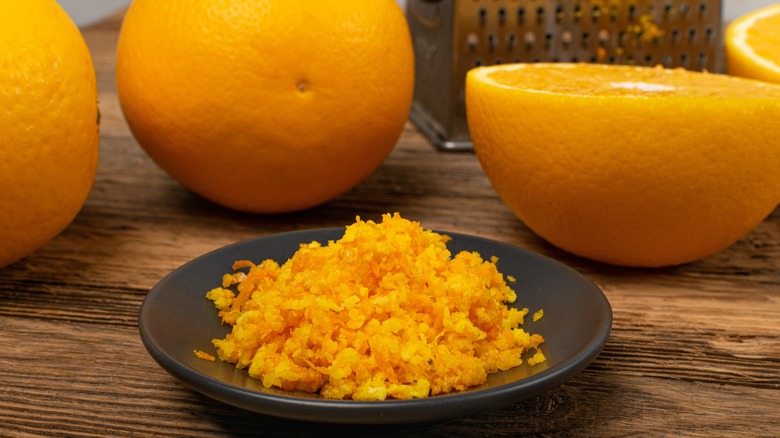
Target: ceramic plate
(176, 319)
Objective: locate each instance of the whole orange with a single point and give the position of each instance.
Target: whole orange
(266, 106)
(49, 120)
(628, 165)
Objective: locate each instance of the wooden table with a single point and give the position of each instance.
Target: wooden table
(694, 351)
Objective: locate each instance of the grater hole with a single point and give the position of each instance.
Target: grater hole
(521, 15)
(482, 16)
(703, 8)
(666, 61)
(675, 35)
(540, 14)
(667, 9)
(702, 59)
(559, 13)
(501, 16)
(472, 41)
(603, 37)
(530, 39)
(577, 12)
(685, 8)
(613, 13)
(631, 11)
(478, 62)
(491, 42)
(566, 38)
(709, 33)
(648, 59)
(595, 13)
(692, 33)
(511, 41)
(585, 38)
(684, 59)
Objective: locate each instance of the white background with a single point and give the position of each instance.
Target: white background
(85, 12)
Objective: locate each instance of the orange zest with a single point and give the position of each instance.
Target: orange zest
(384, 312)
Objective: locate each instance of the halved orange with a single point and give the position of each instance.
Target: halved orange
(753, 45)
(633, 166)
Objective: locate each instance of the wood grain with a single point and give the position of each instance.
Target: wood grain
(695, 349)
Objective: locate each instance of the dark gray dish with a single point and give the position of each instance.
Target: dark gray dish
(176, 319)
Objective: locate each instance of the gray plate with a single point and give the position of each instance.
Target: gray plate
(176, 319)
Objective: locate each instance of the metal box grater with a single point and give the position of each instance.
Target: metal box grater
(452, 36)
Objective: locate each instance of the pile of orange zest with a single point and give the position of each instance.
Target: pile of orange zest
(384, 312)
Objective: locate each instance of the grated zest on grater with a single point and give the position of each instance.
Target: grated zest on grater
(452, 36)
